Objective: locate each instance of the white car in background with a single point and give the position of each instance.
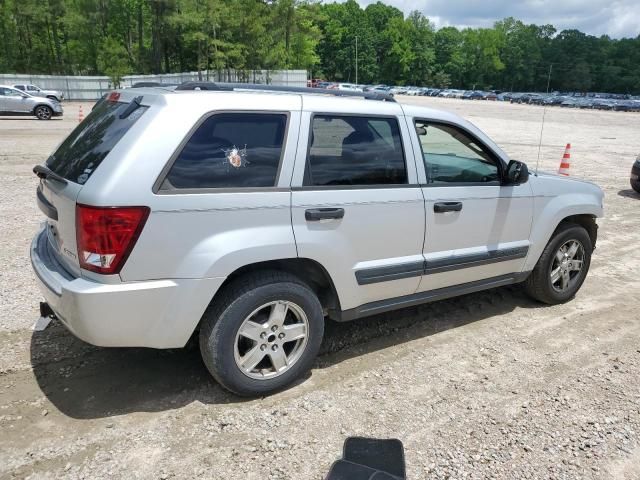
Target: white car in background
(56, 95)
(349, 87)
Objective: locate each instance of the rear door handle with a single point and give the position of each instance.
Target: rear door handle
(316, 214)
(441, 207)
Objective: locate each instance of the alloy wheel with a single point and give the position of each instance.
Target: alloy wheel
(271, 339)
(566, 266)
(43, 113)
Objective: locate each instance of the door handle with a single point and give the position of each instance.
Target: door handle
(316, 214)
(441, 207)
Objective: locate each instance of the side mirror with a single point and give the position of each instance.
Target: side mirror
(517, 173)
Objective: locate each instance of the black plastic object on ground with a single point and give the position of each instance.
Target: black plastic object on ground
(370, 459)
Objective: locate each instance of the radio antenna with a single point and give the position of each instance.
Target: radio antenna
(544, 111)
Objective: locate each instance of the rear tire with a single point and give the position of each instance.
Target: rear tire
(261, 333)
(43, 112)
(562, 267)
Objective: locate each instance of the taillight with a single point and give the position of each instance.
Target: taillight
(106, 235)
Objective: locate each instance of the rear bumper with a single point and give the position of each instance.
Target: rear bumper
(154, 313)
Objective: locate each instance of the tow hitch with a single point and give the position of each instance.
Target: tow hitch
(46, 315)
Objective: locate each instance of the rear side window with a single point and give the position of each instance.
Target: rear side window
(231, 150)
(350, 150)
(91, 141)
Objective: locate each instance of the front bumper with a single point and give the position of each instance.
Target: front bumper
(153, 313)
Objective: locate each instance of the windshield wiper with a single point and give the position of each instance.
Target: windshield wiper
(45, 172)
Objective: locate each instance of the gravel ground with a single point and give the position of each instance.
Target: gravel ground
(490, 385)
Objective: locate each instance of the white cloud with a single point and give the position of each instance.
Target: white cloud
(616, 18)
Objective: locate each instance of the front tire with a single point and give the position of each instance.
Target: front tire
(261, 333)
(562, 267)
(43, 112)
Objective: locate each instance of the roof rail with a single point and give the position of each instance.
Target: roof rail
(282, 88)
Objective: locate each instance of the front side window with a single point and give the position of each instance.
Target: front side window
(350, 150)
(451, 156)
(231, 150)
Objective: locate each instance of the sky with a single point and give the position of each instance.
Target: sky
(616, 18)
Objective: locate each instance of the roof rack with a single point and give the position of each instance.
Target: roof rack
(229, 87)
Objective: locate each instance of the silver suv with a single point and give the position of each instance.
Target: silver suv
(15, 102)
(248, 215)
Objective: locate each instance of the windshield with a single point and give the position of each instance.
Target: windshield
(86, 147)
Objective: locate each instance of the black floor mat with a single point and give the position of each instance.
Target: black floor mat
(384, 476)
(369, 459)
(384, 455)
(343, 470)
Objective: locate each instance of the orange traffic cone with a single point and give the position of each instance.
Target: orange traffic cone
(564, 163)
(80, 114)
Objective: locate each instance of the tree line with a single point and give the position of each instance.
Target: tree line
(119, 37)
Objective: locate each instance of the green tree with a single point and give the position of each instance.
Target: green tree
(113, 60)
(116, 37)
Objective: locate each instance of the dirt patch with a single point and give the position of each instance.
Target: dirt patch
(490, 385)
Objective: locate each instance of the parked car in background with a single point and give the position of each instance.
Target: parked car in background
(603, 104)
(553, 100)
(15, 102)
(473, 95)
(398, 90)
(569, 102)
(382, 89)
(626, 106)
(528, 98)
(537, 99)
(349, 87)
(39, 92)
(635, 175)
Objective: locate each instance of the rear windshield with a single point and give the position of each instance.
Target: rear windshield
(85, 148)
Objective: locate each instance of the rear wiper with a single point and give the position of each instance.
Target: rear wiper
(44, 172)
(132, 107)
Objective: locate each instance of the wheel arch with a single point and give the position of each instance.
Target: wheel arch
(585, 220)
(549, 220)
(308, 271)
